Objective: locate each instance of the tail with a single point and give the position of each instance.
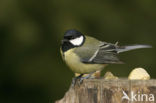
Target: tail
(131, 47)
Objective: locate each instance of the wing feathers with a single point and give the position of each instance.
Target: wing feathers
(96, 52)
(105, 54)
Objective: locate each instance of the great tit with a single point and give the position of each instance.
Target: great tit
(86, 55)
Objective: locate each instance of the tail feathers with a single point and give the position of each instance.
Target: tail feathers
(131, 47)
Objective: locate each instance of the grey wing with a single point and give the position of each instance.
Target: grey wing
(103, 53)
(104, 57)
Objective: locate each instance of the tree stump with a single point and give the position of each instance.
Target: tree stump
(111, 91)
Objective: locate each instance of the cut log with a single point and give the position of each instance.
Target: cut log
(111, 91)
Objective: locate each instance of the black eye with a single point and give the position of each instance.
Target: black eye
(72, 37)
(69, 37)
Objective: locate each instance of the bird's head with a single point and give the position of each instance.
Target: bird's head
(72, 38)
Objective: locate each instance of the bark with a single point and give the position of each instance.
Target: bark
(111, 91)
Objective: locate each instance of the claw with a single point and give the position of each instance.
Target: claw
(74, 82)
(75, 79)
(86, 77)
(80, 78)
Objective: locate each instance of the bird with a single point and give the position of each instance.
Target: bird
(85, 54)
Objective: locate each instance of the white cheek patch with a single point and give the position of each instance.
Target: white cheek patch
(77, 41)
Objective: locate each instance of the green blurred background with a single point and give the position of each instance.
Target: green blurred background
(31, 68)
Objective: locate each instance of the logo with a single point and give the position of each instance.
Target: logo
(138, 97)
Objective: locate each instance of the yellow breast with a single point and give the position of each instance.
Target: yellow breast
(73, 61)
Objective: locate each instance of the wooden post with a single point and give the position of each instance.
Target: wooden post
(112, 91)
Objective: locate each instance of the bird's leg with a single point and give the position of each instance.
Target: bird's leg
(75, 79)
(86, 77)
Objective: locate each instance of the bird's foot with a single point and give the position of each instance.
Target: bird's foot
(80, 79)
(75, 79)
(86, 77)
